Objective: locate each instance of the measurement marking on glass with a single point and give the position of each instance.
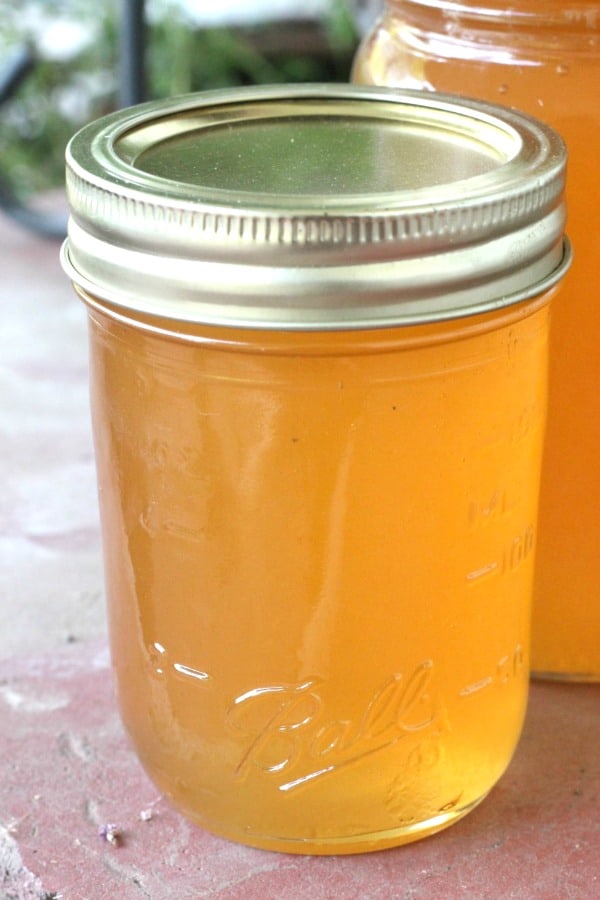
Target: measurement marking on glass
(482, 572)
(476, 686)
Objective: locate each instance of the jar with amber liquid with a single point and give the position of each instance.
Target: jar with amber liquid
(543, 58)
(318, 328)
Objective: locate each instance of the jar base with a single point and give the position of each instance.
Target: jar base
(579, 677)
(346, 844)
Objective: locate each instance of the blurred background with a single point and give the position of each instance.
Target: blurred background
(65, 62)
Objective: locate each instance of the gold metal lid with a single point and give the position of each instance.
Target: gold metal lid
(315, 207)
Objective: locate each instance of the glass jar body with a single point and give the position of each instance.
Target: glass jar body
(319, 557)
(543, 59)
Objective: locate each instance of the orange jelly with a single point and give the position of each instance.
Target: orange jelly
(319, 489)
(319, 557)
(543, 58)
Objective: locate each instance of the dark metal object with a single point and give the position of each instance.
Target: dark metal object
(132, 90)
(19, 66)
(132, 47)
(52, 226)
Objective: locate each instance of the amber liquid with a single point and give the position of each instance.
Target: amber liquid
(554, 75)
(319, 554)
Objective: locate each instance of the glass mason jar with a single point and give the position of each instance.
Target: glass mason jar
(318, 321)
(543, 58)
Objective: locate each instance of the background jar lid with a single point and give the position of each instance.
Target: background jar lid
(315, 207)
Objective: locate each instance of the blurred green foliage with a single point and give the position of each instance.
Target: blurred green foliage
(75, 76)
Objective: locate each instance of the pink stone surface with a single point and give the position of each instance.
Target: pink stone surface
(50, 565)
(67, 770)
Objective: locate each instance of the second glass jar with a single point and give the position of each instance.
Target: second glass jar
(543, 59)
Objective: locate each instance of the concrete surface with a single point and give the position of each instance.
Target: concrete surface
(50, 568)
(66, 769)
